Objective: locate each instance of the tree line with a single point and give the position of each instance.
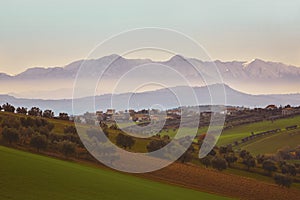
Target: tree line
(34, 111)
(223, 157)
(40, 134)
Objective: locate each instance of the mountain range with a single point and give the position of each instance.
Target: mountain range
(254, 70)
(254, 77)
(163, 97)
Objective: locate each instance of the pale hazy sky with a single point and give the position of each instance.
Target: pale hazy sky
(56, 32)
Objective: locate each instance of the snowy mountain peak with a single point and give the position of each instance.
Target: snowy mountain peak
(256, 76)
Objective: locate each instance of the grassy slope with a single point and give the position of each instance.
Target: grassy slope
(239, 132)
(29, 176)
(271, 144)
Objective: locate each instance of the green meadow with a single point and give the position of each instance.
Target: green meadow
(28, 176)
(272, 143)
(237, 133)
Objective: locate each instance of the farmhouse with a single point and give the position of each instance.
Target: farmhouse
(271, 107)
(288, 111)
(231, 110)
(141, 117)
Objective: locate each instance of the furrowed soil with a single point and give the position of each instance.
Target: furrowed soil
(212, 181)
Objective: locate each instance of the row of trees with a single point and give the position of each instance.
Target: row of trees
(226, 158)
(34, 111)
(38, 133)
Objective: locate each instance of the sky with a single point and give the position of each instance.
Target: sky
(54, 33)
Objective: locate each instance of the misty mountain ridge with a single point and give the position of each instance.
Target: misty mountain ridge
(150, 98)
(254, 77)
(255, 69)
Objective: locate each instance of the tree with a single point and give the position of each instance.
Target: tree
(243, 154)
(11, 122)
(269, 166)
(67, 148)
(155, 145)
(35, 111)
(54, 137)
(39, 142)
(224, 150)
(28, 133)
(8, 108)
(22, 110)
(283, 180)
(27, 122)
(206, 161)
(249, 161)
(70, 129)
(289, 169)
(219, 163)
(260, 158)
(292, 170)
(230, 158)
(10, 135)
(64, 116)
(43, 130)
(50, 126)
(212, 153)
(125, 141)
(48, 114)
(93, 133)
(187, 156)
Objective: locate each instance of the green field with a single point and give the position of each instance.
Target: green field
(272, 143)
(28, 176)
(237, 133)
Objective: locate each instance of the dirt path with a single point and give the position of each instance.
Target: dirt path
(209, 180)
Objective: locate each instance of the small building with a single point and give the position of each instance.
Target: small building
(288, 111)
(206, 114)
(231, 110)
(271, 107)
(110, 111)
(141, 117)
(174, 112)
